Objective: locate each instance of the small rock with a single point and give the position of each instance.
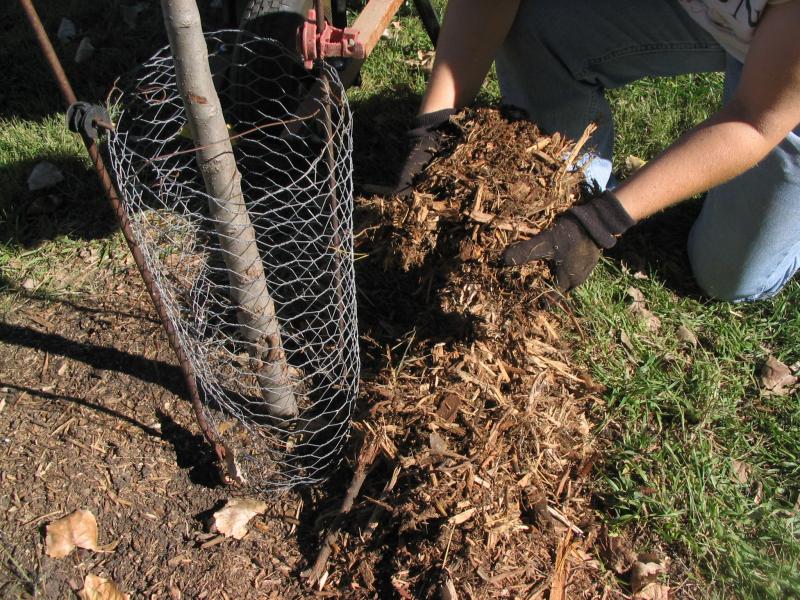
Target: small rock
(28, 284)
(44, 175)
(66, 31)
(85, 51)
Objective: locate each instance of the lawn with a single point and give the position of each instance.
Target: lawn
(699, 462)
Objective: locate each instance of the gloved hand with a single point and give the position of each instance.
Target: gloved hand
(424, 140)
(575, 241)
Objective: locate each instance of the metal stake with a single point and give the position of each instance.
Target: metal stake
(124, 223)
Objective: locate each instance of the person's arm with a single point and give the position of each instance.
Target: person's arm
(471, 34)
(764, 109)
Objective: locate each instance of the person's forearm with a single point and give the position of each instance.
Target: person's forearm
(711, 154)
(471, 34)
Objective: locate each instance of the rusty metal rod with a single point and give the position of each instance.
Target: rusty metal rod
(124, 223)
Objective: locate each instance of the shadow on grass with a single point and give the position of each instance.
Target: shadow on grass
(75, 207)
(29, 90)
(657, 246)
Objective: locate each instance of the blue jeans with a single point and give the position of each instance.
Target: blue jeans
(557, 61)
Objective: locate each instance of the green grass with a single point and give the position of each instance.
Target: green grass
(682, 415)
(679, 416)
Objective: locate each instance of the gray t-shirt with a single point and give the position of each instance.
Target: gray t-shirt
(731, 22)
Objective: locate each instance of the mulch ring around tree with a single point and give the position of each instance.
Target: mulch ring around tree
(476, 435)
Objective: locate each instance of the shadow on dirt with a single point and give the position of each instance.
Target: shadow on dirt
(379, 141)
(84, 403)
(98, 357)
(192, 451)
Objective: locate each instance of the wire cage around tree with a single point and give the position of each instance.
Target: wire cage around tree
(291, 133)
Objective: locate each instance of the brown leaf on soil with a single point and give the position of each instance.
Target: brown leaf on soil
(615, 551)
(100, 588)
(653, 591)
(77, 529)
(232, 519)
(645, 572)
(776, 378)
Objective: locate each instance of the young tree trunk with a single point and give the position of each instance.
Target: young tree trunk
(248, 286)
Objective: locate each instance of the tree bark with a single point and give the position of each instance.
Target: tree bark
(248, 286)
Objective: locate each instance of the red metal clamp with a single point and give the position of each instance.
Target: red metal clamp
(331, 41)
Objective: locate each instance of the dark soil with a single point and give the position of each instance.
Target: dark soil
(486, 429)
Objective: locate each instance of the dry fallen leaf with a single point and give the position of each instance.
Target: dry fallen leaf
(776, 378)
(634, 163)
(625, 340)
(653, 591)
(100, 588)
(687, 336)
(77, 529)
(231, 521)
(741, 471)
(638, 308)
(645, 572)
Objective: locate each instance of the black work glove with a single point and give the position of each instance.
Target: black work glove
(574, 243)
(424, 141)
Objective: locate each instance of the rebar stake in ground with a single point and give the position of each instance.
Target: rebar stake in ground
(366, 460)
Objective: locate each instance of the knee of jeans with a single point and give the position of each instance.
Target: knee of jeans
(722, 278)
(716, 276)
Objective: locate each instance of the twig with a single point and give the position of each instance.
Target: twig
(559, 516)
(230, 138)
(366, 459)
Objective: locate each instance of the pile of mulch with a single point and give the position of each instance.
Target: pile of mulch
(487, 443)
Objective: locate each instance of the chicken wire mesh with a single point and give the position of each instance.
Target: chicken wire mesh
(291, 133)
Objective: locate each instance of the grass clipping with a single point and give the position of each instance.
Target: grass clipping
(484, 423)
